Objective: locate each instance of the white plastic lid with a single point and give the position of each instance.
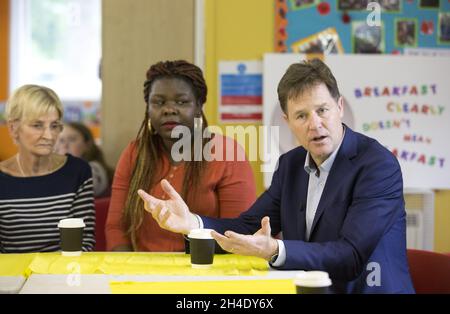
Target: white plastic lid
(71, 223)
(200, 234)
(312, 279)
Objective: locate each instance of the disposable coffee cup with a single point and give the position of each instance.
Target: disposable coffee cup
(312, 282)
(71, 236)
(202, 246)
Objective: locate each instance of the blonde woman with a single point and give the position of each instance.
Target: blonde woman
(37, 186)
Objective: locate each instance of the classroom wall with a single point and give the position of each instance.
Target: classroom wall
(136, 34)
(442, 221)
(240, 30)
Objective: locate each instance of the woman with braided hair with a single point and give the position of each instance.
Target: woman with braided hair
(174, 93)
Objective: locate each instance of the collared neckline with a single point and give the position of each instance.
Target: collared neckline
(311, 167)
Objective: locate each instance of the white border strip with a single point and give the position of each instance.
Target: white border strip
(199, 40)
(15, 8)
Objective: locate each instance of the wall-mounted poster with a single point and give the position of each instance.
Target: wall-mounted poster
(429, 4)
(367, 39)
(302, 4)
(406, 32)
(240, 91)
(87, 112)
(2, 113)
(326, 42)
(361, 5)
(427, 52)
(444, 28)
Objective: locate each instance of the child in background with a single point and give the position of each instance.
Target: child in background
(76, 139)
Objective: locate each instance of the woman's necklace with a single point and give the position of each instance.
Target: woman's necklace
(21, 169)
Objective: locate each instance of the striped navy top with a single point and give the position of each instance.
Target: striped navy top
(31, 207)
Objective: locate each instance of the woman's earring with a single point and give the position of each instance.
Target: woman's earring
(198, 133)
(198, 123)
(149, 124)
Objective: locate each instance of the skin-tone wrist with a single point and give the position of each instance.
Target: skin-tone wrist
(273, 249)
(193, 223)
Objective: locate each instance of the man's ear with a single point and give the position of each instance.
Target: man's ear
(285, 117)
(340, 104)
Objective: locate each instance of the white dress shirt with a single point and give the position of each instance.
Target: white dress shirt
(316, 183)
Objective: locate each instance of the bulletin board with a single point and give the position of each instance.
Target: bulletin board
(407, 109)
(340, 26)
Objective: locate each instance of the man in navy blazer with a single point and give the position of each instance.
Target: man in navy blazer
(337, 200)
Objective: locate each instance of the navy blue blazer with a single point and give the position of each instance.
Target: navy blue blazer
(358, 234)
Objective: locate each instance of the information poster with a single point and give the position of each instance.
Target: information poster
(240, 91)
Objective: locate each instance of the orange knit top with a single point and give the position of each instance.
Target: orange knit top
(227, 189)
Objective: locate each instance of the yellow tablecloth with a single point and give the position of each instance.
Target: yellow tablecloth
(273, 286)
(16, 264)
(127, 264)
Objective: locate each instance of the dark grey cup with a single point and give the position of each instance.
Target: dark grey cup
(202, 247)
(71, 236)
(312, 282)
(312, 290)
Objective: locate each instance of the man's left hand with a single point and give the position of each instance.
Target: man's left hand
(260, 244)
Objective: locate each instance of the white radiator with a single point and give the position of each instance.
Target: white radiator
(414, 229)
(419, 219)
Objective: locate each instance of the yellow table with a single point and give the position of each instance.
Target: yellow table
(14, 271)
(108, 272)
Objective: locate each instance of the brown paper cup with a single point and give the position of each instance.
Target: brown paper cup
(71, 236)
(312, 282)
(202, 246)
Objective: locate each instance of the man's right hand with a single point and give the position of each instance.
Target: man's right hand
(172, 214)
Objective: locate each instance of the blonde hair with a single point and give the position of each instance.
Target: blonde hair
(32, 101)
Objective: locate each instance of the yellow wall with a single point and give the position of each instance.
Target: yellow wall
(235, 30)
(244, 30)
(442, 221)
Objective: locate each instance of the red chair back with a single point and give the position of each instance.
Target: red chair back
(430, 271)
(101, 212)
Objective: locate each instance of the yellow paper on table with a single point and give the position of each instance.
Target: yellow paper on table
(145, 264)
(55, 263)
(16, 264)
(272, 286)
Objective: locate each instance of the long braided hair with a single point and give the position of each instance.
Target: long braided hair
(150, 147)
